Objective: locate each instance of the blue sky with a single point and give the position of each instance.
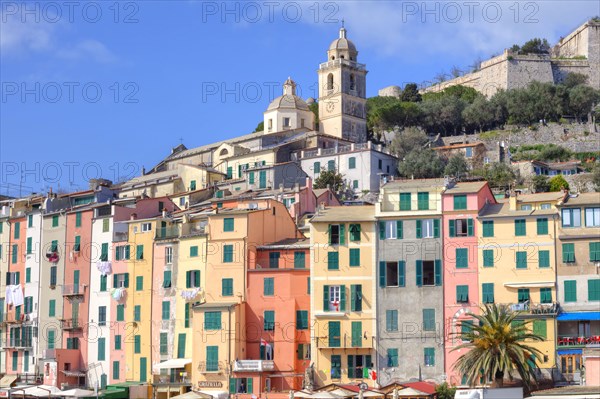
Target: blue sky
(106, 88)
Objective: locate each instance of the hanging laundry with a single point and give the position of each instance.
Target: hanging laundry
(8, 297)
(189, 295)
(17, 295)
(104, 268)
(117, 293)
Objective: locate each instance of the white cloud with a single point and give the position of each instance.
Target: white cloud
(87, 49)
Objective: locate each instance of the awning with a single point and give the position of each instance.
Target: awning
(7, 380)
(534, 284)
(174, 364)
(569, 352)
(74, 373)
(41, 391)
(578, 316)
(216, 394)
(191, 395)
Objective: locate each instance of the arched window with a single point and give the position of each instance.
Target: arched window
(223, 152)
(342, 56)
(352, 82)
(330, 81)
(332, 57)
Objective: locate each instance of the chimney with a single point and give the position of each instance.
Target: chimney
(297, 187)
(133, 216)
(143, 171)
(164, 213)
(322, 206)
(512, 201)
(308, 182)
(281, 187)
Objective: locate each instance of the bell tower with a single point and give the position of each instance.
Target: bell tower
(342, 92)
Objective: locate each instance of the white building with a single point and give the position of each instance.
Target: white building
(29, 341)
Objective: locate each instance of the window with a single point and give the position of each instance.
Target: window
(336, 234)
(354, 232)
(229, 172)
(487, 290)
(460, 202)
(227, 253)
(192, 279)
(354, 257)
(105, 225)
(570, 290)
(461, 228)
(380, 164)
(334, 334)
(167, 279)
(429, 273)
(51, 308)
(302, 319)
(166, 310)
(72, 343)
(356, 334)
(212, 358)
(405, 202)
(356, 298)
(333, 261)
(228, 224)
(423, 201)
(299, 260)
(139, 283)
(118, 342)
(521, 259)
(392, 357)
(466, 326)
(488, 258)
(274, 260)
(115, 373)
(317, 167)
(146, 227)
(227, 287)
(137, 344)
(212, 320)
(523, 295)
(429, 354)
(392, 274)
(462, 258)
(488, 228)
(351, 163)
(336, 366)
(102, 348)
(543, 259)
(594, 251)
(391, 229)
(355, 184)
(429, 320)
(594, 290)
(122, 252)
(468, 152)
(54, 221)
(29, 245)
(334, 298)
(520, 228)
(571, 217)
(331, 165)
(186, 315)
(526, 207)
(28, 275)
(542, 226)
(462, 293)
(545, 295)
(545, 206)
(193, 251)
(15, 253)
(286, 122)
(164, 344)
(120, 312)
(269, 320)
(428, 228)
(121, 280)
(139, 252)
(137, 313)
(592, 217)
(101, 315)
(568, 251)
(269, 286)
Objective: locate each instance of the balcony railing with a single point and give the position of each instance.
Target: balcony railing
(13, 319)
(73, 289)
(253, 365)
(341, 61)
(18, 343)
(569, 340)
(71, 324)
(167, 232)
(535, 308)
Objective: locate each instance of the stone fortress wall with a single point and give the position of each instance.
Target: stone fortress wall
(578, 52)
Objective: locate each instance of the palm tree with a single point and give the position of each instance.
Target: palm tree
(496, 345)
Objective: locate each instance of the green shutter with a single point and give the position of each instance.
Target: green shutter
(334, 334)
(523, 294)
(325, 298)
(343, 298)
(401, 273)
(392, 357)
(540, 328)
(115, 373)
(356, 297)
(462, 293)
(268, 286)
(342, 234)
(186, 315)
(488, 228)
(317, 167)
(542, 226)
(139, 283)
(470, 229)
(333, 261)
(354, 256)
(570, 290)
(382, 230)
(351, 163)
(103, 283)
(520, 229)
(543, 259)
(488, 258)
(212, 358)
(460, 202)
(382, 276)
(52, 308)
(137, 344)
(545, 295)
(429, 319)
(462, 258)
(126, 283)
(438, 272)
(594, 290)
(351, 369)
(568, 253)
(166, 310)
(423, 201)
(181, 346)
(29, 245)
(102, 348)
(194, 250)
(452, 228)
(594, 251)
(120, 312)
(77, 219)
(521, 259)
(166, 279)
(118, 345)
(391, 320)
(405, 201)
(419, 228)
(139, 252)
(357, 334)
(399, 229)
(436, 228)
(419, 265)
(299, 260)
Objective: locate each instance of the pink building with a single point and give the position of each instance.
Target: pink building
(461, 204)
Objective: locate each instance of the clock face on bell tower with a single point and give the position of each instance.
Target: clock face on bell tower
(342, 92)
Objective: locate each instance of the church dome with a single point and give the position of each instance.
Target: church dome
(342, 43)
(289, 99)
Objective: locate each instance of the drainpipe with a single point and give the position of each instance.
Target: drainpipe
(555, 220)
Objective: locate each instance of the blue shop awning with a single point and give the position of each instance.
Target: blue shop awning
(578, 316)
(568, 352)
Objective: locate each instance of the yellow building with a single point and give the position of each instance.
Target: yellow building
(139, 290)
(343, 294)
(517, 263)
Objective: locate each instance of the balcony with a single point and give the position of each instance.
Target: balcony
(253, 365)
(575, 341)
(541, 309)
(18, 344)
(13, 319)
(341, 61)
(73, 290)
(164, 233)
(71, 324)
